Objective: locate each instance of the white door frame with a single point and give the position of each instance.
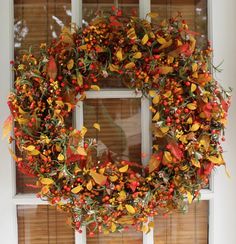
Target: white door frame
(222, 19)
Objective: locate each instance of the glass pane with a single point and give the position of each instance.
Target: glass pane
(37, 22)
(189, 228)
(130, 236)
(92, 8)
(193, 11)
(118, 139)
(43, 225)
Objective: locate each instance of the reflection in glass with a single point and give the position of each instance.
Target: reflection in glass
(120, 121)
(43, 224)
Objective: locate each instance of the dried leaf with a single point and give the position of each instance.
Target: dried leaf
(156, 117)
(153, 15)
(205, 141)
(154, 163)
(30, 148)
(113, 67)
(96, 126)
(131, 34)
(100, 179)
(83, 47)
(176, 151)
(130, 65)
(7, 126)
(70, 64)
(145, 228)
(60, 157)
(124, 168)
(130, 209)
(192, 106)
(190, 197)
(195, 127)
(167, 157)
(194, 67)
(79, 78)
(152, 93)
(89, 185)
(156, 99)
(81, 151)
(47, 181)
(13, 154)
(122, 196)
(195, 162)
(193, 87)
(83, 131)
(161, 40)
(164, 70)
(52, 68)
(113, 227)
(151, 224)
(77, 189)
(137, 55)
(35, 152)
(45, 189)
(145, 39)
(95, 87)
(216, 160)
(119, 54)
(113, 178)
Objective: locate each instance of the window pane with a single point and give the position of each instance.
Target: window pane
(43, 225)
(189, 228)
(193, 11)
(127, 237)
(38, 22)
(120, 121)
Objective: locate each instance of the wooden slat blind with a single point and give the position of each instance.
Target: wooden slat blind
(189, 228)
(43, 225)
(120, 123)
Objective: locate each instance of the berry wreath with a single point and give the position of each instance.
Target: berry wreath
(189, 110)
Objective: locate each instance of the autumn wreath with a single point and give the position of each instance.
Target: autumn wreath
(189, 115)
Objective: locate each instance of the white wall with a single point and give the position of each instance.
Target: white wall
(224, 44)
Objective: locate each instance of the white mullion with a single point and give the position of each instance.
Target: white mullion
(144, 8)
(76, 9)
(102, 94)
(28, 199)
(146, 130)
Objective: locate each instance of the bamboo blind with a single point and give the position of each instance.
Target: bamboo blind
(120, 121)
(43, 225)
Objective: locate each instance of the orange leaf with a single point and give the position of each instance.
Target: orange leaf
(154, 163)
(77, 189)
(100, 179)
(124, 168)
(52, 68)
(89, 185)
(165, 70)
(7, 126)
(47, 181)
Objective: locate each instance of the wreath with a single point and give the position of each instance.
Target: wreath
(189, 110)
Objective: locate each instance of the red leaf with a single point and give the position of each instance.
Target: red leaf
(225, 105)
(175, 150)
(52, 68)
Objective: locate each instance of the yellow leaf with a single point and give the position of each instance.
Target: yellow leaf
(153, 15)
(131, 34)
(167, 156)
(70, 64)
(119, 54)
(124, 168)
(60, 157)
(156, 117)
(137, 55)
(95, 87)
(47, 181)
(216, 160)
(195, 75)
(100, 179)
(195, 127)
(192, 106)
(190, 197)
(153, 164)
(79, 78)
(167, 94)
(113, 178)
(165, 45)
(113, 67)
(164, 129)
(130, 65)
(22, 121)
(165, 70)
(77, 169)
(195, 162)
(13, 154)
(145, 228)
(189, 120)
(152, 93)
(89, 185)
(161, 40)
(30, 148)
(96, 126)
(130, 209)
(170, 59)
(193, 87)
(128, 220)
(83, 131)
(205, 141)
(83, 47)
(81, 151)
(151, 224)
(35, 152)
(113, 227)
(156, 99)
(145, 39)
(122, 196)
(77, 189)
(7, 126)
(194, 67)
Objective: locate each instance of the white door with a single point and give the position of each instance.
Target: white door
(26, 219)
